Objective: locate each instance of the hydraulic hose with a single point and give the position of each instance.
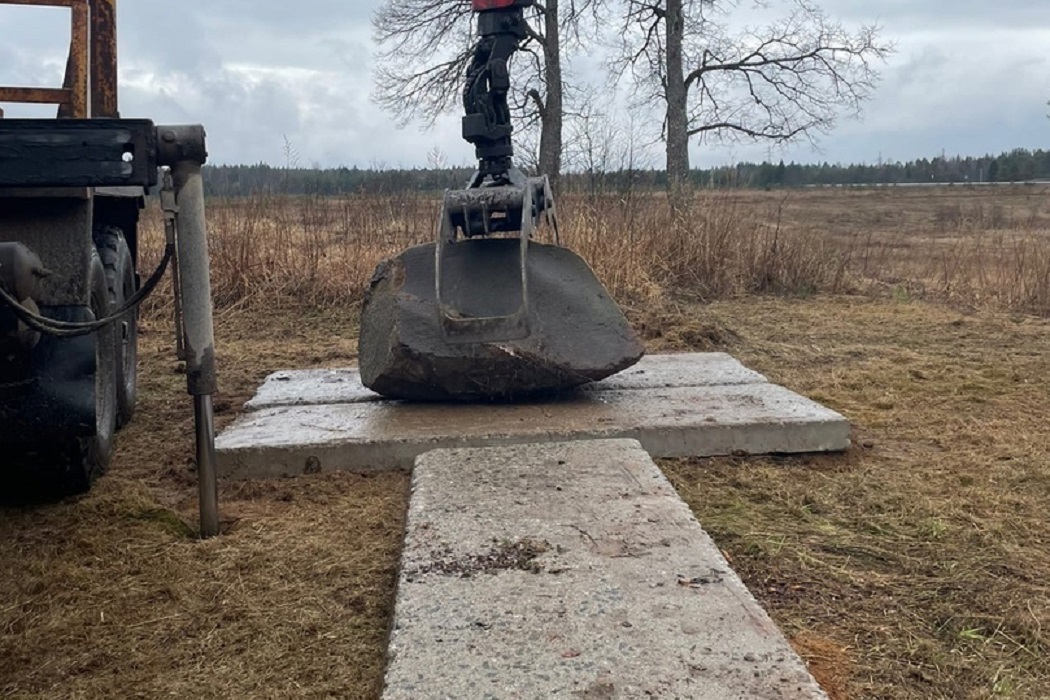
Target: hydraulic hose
(69, 329)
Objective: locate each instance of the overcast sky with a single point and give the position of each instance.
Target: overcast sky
(969, 77)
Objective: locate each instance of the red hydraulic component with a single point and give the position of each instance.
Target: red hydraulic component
(482, 5)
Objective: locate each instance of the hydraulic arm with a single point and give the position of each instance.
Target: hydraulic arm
(501, 27)
(498, 198)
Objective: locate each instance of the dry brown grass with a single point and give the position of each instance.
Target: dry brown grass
(323, 251)
(985, 247)
(979, 247)
(921, 554)
(915, 566)
(111, 596)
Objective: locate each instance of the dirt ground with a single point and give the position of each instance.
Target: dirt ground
(914, 566)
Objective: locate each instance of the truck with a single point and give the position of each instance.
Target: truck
(72, 189)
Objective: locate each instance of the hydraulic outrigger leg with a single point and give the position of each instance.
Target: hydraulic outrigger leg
(182, 149)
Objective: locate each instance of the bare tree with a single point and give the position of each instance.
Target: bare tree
(786, 80)
(425, 47)
(604, 143)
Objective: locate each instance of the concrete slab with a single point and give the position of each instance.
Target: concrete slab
(669, 422)
(567, 571)
(311, 387)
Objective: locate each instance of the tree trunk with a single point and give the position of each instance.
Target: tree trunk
(677, 115)
(551, 115)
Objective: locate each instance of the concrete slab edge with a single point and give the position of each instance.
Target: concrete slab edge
(336, 386)
(683, 441)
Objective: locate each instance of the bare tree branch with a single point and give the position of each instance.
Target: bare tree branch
(425, 47)
(790, 78)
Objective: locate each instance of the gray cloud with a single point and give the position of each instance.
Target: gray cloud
(903, 15)
(970, 76)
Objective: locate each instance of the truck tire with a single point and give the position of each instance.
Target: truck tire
(88, 457)
(120, 282)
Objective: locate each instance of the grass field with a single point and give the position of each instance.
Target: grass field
(916, 565)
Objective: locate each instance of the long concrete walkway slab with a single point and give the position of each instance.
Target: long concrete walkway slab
(675, 405)
(568, 571)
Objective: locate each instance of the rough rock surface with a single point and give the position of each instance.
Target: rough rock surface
(578, 334)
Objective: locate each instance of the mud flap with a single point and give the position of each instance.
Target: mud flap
(57, 398)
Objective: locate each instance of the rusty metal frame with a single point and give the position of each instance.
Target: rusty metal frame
(103, 58)
(90, 86)
(78, 153)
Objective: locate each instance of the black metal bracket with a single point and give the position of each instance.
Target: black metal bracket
(487, 122)
(78, 153)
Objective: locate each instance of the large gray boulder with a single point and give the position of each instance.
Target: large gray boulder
(578, 334)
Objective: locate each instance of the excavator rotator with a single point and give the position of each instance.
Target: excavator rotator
(486, 312)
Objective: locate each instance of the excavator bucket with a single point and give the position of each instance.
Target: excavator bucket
(485, 299)
(487, 316)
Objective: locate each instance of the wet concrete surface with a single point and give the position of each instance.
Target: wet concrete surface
(320, 421)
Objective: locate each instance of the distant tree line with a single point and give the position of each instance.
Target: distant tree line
(1017, 165)
(789, 74)
(243, 180)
